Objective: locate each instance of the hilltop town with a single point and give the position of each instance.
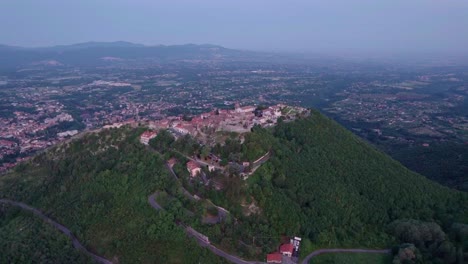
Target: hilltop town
(238, 120)
(32, 132)
(211, 128)
(202, 162)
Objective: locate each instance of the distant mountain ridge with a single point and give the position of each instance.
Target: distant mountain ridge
(90, 53)
(94, 44)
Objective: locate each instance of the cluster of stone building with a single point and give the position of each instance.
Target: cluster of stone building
(239, 120)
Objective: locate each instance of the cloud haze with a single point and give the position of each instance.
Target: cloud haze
(298, 25)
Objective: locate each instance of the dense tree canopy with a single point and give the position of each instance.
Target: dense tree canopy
(98, 187)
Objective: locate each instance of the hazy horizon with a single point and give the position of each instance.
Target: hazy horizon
(337, 26)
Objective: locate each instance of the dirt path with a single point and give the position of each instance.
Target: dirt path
(338, 250)
(60, 227)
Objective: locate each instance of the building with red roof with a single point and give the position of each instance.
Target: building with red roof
(147, 136)
(181, 129)
(274, 258)
(287, 249)
(193, 168)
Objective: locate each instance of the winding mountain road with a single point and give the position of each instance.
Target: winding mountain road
(58, 226)
(153, 203)
(338, 250)
(220, 252)
(186, 193)
(201, 239)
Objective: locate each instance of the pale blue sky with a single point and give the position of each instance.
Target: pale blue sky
(325, 26)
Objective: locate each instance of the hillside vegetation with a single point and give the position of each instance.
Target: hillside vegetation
(342, 189)
(355, 258)
(328, 185)
(325, 184)
(26, 238)
(446, 163)
(98, 187)
(321, 183)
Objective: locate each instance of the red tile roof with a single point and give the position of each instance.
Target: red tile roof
(274, 258)
(288, 248)
(191, 165)
(149, 134)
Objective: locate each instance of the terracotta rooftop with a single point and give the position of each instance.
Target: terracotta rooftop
(148, 134)
(287, 248)
(274, 258)
(191, 165)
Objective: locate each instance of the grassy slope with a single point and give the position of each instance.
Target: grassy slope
(98, 187)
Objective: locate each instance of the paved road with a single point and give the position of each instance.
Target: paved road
(221, 211)
(153, 203)
(338, 250)
(60, 227)
(202, 240)
(262, 159)
(256, 164)
(186, 193)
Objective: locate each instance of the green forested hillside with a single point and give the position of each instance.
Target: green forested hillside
(344, 187)
(27, 239)
(354, 258)
(321, 183)
(446, 163)
(328, 185)
(98, 187)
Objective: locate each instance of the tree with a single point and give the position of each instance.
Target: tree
(205, 151)
(162, 141)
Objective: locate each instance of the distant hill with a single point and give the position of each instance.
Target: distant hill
(7, 47)
(93, 44)
(90, 53)
(322, 183)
